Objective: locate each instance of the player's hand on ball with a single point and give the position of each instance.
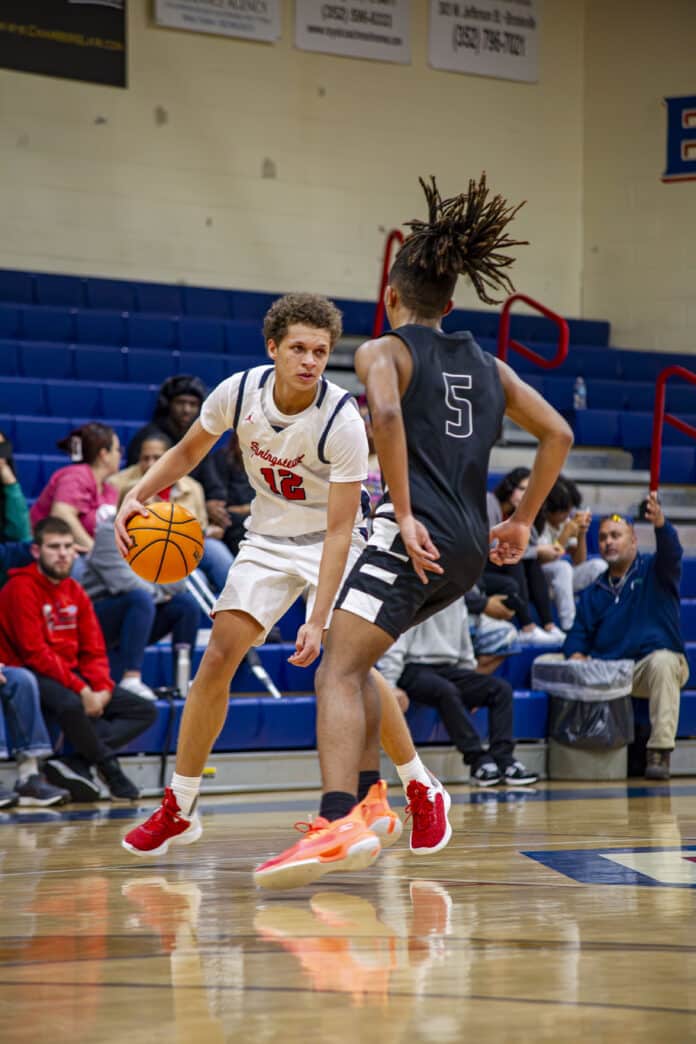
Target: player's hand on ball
(131, 506)
(508, 542)
(419, 548)
(307, 645)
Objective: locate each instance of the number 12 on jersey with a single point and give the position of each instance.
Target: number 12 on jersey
(461, 426)
(284, 483)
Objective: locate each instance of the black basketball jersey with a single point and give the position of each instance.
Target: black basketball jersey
(453, 411)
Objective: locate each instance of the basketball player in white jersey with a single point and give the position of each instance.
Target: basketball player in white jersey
(305, 453)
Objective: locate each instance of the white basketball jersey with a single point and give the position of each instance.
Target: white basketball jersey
(290, 459)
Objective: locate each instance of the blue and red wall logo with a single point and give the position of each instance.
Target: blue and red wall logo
(681, 139)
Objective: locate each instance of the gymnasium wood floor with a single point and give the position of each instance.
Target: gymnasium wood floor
(562, 914)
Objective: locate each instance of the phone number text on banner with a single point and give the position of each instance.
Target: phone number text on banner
(485, 38)
(257, 20)
(376, 29)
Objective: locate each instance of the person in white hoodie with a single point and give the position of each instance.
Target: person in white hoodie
(434, 664)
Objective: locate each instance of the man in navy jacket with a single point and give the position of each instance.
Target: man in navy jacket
(632, 612)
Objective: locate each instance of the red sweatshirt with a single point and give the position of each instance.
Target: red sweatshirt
(52, 629)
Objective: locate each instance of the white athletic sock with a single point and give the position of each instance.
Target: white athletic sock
(414, 769)
(185, 791)
(26, 766)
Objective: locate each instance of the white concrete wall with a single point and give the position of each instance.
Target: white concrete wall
(639, 268)
(92, 183)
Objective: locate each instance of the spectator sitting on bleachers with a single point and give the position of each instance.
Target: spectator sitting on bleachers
(523, 582)
(434, 664)
(48, 625)
(26, 737)
(633, 612)
(217, 557)
(558, 531)
(15, 528)
(75, 492)
(132, 612)
(492, 632)
(238, 490)
(178, 405)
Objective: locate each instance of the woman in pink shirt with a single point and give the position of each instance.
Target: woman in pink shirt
(74, 493)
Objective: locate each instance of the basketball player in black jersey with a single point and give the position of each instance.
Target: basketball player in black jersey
(437, 403)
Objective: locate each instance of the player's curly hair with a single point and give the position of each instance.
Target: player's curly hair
(464, 235)
(310, 309)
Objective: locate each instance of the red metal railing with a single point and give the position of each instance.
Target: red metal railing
(660, 418)
(505, 341)
(395, 236)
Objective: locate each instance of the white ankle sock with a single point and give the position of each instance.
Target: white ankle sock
(26, 766)
(414, 769)
(185, 791)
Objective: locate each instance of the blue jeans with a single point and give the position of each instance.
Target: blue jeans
(131, 621)
(22, 727)
(215, 564)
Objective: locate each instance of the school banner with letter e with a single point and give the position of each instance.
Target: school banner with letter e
(485, 38)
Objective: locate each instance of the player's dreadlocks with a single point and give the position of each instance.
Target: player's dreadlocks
(462, 236)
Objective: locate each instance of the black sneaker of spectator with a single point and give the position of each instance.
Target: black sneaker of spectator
(73, 775)
(120, 786)
(487, 774)
(8, 797)
(36, 791)
(516, 775)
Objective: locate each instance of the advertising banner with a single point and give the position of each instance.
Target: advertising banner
(485, 38)
(73, 39)
(376, 29)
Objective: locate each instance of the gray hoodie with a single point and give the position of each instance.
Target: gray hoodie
(442, 640)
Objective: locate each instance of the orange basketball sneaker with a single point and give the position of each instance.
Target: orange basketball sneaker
(379, 817)
(326, 848)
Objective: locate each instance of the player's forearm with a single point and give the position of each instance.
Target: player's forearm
(172, 466)
(331, 569)
(550, 458)
(390, 442)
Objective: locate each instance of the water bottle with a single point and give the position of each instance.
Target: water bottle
(579, 394)
(183, 668)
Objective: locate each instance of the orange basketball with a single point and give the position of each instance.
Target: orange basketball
(167, 545)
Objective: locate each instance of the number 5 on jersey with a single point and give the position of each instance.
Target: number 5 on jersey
(461, 427)
(284, 483)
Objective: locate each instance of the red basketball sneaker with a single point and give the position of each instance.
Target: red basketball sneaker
(428, 808)
(167, 825)
(346, 844)
(378, 816)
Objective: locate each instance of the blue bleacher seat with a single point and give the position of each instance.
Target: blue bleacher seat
(64, 399)
(691, 658)
(244, 337)
(605, 395)
(9, 358)
(17, 287)
(48, 324)
(201, 335)
(688, 584)
(10, 321)
(251, 304)
(151, 331)
(210, 368)
(95, 363)
(688, 620)
(681, 396)
(636, 430)
(358, 316)
(678, 464)
(148, 366)
(59, 290)
(7, 425)
(19, 395)
(46, 360)
(556, 390)
(29, 473)
(130, 401)
(639, 395)
(110, 293)
(597, 427)
(100, 328)
(40, 434)
(589, 331)
(158, 297)
(201, 301)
